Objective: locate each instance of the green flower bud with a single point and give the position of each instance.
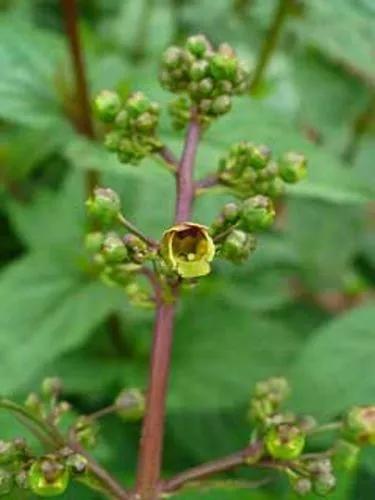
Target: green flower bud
(113, 249)
(146, 122)
(76, 463)
(223, 67)
(319, 466)
(324, 484)
(131, 404)
(172, 57)
(6, 482)
(257, 213)
(51, 386)
(231, 212)
(48, 477)
(137, 104)
(221, 104)
(34, 404)
(21, 480)
(198, 70)
(112, 140)
(346, 454)
(205, 87)
(359, 425)
(198, 45)
(237, 246)
(260, 409)
(107, 105)
(259, 156)
(188, 249)
(285, 442)
(205, 105)
(275, 188)
(86, 431)
(293, 167)
(136, 247)
(94, 242)
(8, 452)
(122, 119)
(302, 486)
(104, 206)
(275, 389)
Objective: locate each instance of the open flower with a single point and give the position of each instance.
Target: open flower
(188, 249)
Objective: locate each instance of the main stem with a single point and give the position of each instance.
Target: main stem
(270, 43)
(151, 447)
(84, 123)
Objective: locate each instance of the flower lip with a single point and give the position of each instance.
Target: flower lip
(188, 249)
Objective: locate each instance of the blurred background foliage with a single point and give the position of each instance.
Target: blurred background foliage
(302, 306)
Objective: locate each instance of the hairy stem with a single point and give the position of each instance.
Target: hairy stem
(185, 182)
(359, 127)
(84, 124)
(216, 466)
(133, 229)
(269, 44)
(150, 457)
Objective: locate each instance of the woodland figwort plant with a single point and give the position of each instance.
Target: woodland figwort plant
(205, 80)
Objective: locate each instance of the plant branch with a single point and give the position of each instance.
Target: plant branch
(229, 462)
(185, 183)
(110, 483)
(133, 229)
(209, 181)
(269, 44)
(169, 159)
(84, 124)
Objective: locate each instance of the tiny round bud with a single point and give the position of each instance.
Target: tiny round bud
(34, 404)
(293, 167)
(21, 480)
(86, 431)
(257, 213)
(238, 246)
(112, 140)
(198, 45)
(205, 87)
(51, 386)
(94, 242)
(324, 483)
(198, 70)
(104, 205)
(275, 389)
(221, 104)
(302, 486)
(359, 425)
(146, 122)
(107, 105)
(76, 463)
(346, 454)
(137, 104)
(8, 452)
(48, 477)
(285, 442)
(172, 57)
(259, 156)
(131, 404)
(319, 466)
(223, 67)
(231, 212)
(6, 482)
(113, 249)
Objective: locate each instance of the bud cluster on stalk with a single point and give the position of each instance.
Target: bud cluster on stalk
(204, 77)
(131, 125)
(249, 169)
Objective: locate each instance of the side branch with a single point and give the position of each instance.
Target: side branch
(223, 464)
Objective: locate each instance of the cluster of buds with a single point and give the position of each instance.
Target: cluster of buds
(206, 78)
(131, 124)
(114, 258)
(315, 475)
(233, 229)
(249, 169)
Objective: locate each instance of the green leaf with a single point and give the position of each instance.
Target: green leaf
(323, 261)
(46, 309)
(333, 369)
(30, 60)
